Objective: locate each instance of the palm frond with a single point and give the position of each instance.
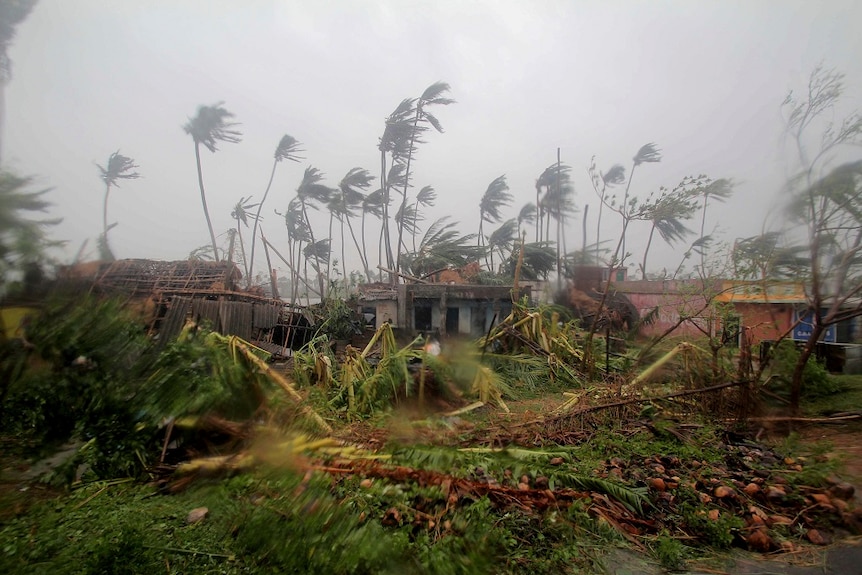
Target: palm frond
(211, 125)
(648, 153)
(496, 196)
(119, 167)
(288, 149)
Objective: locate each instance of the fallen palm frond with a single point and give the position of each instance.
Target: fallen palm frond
(635, 400)
(531, 333)
(487, 385)
(248, 352)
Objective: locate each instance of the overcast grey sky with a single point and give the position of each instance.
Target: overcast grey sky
(703, 80)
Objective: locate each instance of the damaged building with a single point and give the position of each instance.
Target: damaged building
(171, 293)
(447, 308)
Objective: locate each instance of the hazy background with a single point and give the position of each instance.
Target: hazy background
(703, 80)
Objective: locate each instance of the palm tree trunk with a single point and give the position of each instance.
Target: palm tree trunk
(257, 220)
(384, 231)
(242, 250)
(358, 248)
(105, 213)
(204, 201)
(624, 208)
(646, 251)
(329, 259)
(365, 250)
(407, 183)
(702, 229)
(538, 215)
(343, 262)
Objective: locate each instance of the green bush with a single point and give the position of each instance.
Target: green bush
(816, 381)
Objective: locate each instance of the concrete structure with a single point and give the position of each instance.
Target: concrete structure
(448, 308)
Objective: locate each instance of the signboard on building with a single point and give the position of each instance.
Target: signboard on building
(803, 329)
(761, 292)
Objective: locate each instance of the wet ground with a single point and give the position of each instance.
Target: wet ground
(841, 558)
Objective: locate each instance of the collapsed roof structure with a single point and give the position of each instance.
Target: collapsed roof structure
(171, 293)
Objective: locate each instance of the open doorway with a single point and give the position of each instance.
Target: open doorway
(452, 318)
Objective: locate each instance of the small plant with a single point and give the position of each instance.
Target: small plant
(669, 552)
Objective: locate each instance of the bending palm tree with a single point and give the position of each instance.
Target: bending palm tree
(287, 149)
(348, 197)
(666, 215)
(496, 196)
(616, 175)
(240, 213)
(720, 190)
(312, 192)
(433, 95)
(425, 198)
(119, 167)
(209, 126)
(371, 204)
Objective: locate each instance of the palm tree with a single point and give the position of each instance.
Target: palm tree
(210, 126)
(297, 234)
(501, 239)
(648, 153)
(311, 192)
(666, 215)
(395, 141)
(601, 182)
(240, 213)
(288, 149)
(318, 253)
(344, 201)
(553, 177)
(12, 13)
(495, 198)
(371, 204)
(441, 246)
(119, 167)
(425, 198)
(527, 215)
(721, 190)
(433, 95)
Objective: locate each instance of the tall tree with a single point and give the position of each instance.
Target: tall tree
(297, 234)
(118, 167)
(501, 241)
(668, 213)
(241, 213)
(346, 199)
(434, 95)
(442, 245)
(401, 136)
(526, 215)
(601, 182)
(495, 198)
(288, 148)
(12, 13)
(208, 127)
(23, 240)
(719, 190)
(425, 198)
(372, 204)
